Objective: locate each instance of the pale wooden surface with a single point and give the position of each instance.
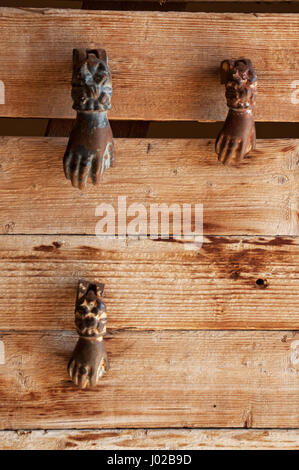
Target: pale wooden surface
(116, 439)
(157, 379)
(259, 197)
(168, 71)
(151, 284)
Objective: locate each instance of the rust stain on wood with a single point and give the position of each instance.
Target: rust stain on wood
(232, 282)
(48, 248)
(208, 369)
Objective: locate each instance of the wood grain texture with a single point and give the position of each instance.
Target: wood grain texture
(152, 284)
(259, 197)
(164, 64)
(116, 439)
(157, 379)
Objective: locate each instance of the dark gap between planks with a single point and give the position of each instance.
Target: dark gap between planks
(161, 5)
(146, 129)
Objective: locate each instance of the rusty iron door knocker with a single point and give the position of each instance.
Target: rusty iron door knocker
(89, 361)
(237, 137)
(90, 149)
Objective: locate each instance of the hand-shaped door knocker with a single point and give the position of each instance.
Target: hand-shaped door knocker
(90, 148)
(237, 137)
(89, 360)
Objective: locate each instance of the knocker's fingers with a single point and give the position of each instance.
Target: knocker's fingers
(93, 378)
(231, 153)
(66, 164)
(245, 148)
(218, 143)
(75, 376)
(240, 150)
(83, 377)
(75, 163)
(222, 148)
(95, 169)
(102, 368)
(84, 171)
(70, 367)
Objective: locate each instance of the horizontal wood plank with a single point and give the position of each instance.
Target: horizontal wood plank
(157, 379)
(114, 439)
(152, 284)
(164, 64)
(259, 197)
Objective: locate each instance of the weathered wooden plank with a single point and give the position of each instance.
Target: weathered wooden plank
(157, 379)
(164, 64)
(90, 4)
(117, 439)
(259, 197)
(152, 284)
